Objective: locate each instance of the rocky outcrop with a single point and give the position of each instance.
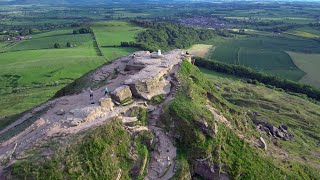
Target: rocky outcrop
(151, 80)
(264, 126)
(207, 171)
(106, 103)
(271, 130)
(206, 128)
(121, 94)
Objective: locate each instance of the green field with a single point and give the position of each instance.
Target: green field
(30, 77)
(2, 44)
(309, 63)
(26, 73)
(47, 40)
(306, 32)
(109, 36)
(266, 54)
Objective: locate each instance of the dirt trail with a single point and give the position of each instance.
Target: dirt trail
(57, 116)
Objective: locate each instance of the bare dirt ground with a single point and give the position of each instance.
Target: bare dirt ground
(200, 50)
(59, 115)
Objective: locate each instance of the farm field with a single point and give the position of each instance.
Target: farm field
(23, 74)
(306, 32)
(266, 54)
(309, 63)
(109, 36)
(47, 40)
(200, 50)
(277, 108)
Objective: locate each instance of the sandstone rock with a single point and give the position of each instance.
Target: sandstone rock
(106, 103)
(39, 122)
(129, 119)
(262, 143)
(121, 94)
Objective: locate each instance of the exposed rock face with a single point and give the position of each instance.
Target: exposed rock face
(278, 133)
(187, 58)
(206, 128)
(264, 126)
(151, 80)
(121, 94)
(207, 171)
(106, 103)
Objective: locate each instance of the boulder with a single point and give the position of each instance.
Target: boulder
(206, 170)
(121, 94)
(283, 128)
(279, 134)
(262, 143)
(61, 112)
(272, 128)
(126, 120)
(106, 103)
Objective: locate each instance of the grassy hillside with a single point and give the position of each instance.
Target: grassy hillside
(231, 149)
(277, 107)
(103, 152)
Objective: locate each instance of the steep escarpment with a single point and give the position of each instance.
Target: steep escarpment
(216, 139)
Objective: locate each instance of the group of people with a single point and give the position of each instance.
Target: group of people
(105, 90)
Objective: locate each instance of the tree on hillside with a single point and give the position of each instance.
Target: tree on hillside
(57, 45)
(69, 44)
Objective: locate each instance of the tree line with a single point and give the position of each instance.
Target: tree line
(167, 36)
(252, 75)
(84, 30)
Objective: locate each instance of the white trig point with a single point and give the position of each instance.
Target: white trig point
(159, 52)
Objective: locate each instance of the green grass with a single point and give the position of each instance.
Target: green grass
(2, 44)
(47, 42)
(240, 159)
(96, 154)
(306, 32)
(101, 153)
(265, 54)
(309, 63)
(277, 107)
(157, 99)
(23, 74)
(110, 34)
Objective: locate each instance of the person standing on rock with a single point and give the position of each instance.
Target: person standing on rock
(91, 94)
(106, 91)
